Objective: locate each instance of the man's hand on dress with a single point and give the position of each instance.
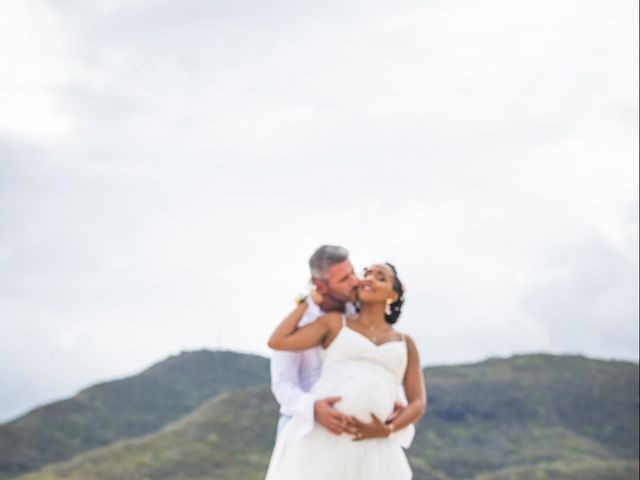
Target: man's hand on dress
(330, 418)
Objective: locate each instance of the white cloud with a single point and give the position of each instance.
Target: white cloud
(32, 43)
(167, 169)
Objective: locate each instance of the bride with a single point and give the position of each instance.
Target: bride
(365, 362)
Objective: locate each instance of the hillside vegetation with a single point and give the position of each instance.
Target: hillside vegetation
(134, 406)
(526, 417)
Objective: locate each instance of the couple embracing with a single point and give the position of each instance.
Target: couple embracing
(349, 385)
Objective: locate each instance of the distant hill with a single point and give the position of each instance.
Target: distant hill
(526, 410)
(586, 469)
(228, 438)
(526, 417)
(134, 406)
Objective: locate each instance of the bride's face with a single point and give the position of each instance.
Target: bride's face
(377, 285)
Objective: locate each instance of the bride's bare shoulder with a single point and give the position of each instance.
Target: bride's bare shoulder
(411, 346)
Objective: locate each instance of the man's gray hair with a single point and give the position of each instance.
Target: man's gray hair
(324, 257)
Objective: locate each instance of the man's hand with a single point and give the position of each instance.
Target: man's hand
(330, 418)
(398, 408)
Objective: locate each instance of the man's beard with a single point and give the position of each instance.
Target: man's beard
(339, 298)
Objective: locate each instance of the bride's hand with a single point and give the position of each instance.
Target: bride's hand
(376, 428)
(316, 296)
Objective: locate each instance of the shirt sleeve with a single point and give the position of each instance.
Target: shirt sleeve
(285, 385)
(405, 436)
(285, 379)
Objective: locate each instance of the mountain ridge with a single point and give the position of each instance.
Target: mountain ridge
(128, 407)
(524, 415)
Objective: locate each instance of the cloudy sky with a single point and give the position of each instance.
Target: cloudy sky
(167, 167)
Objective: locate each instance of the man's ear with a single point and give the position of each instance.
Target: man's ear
(321, 286)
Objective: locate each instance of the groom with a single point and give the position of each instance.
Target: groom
(294, 373)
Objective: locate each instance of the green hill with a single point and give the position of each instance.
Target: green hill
(528, 410)
(228, 438)
(586, 469)
(111, 411)
(527, 417)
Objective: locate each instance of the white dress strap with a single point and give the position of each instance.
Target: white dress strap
(344, 320)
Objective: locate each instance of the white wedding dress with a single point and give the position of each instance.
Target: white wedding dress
(366, 376)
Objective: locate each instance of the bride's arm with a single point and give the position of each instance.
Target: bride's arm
(288, 336)
(416, 396)
(414, 389)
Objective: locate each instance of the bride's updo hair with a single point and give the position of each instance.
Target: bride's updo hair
(396, 307)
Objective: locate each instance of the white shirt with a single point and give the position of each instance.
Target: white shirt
(294, 373)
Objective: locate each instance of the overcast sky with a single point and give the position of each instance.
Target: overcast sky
(167, 167)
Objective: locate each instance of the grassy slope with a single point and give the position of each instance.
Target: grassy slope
(108, 412)
(528, 409)
(515, 418)
(228, 438)
(586, 469)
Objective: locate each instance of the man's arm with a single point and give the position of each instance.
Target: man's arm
(285, 385)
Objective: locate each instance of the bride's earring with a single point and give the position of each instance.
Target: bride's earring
(388, 309)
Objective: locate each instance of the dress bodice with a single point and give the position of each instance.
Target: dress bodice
(351, 346)
(367, 376)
